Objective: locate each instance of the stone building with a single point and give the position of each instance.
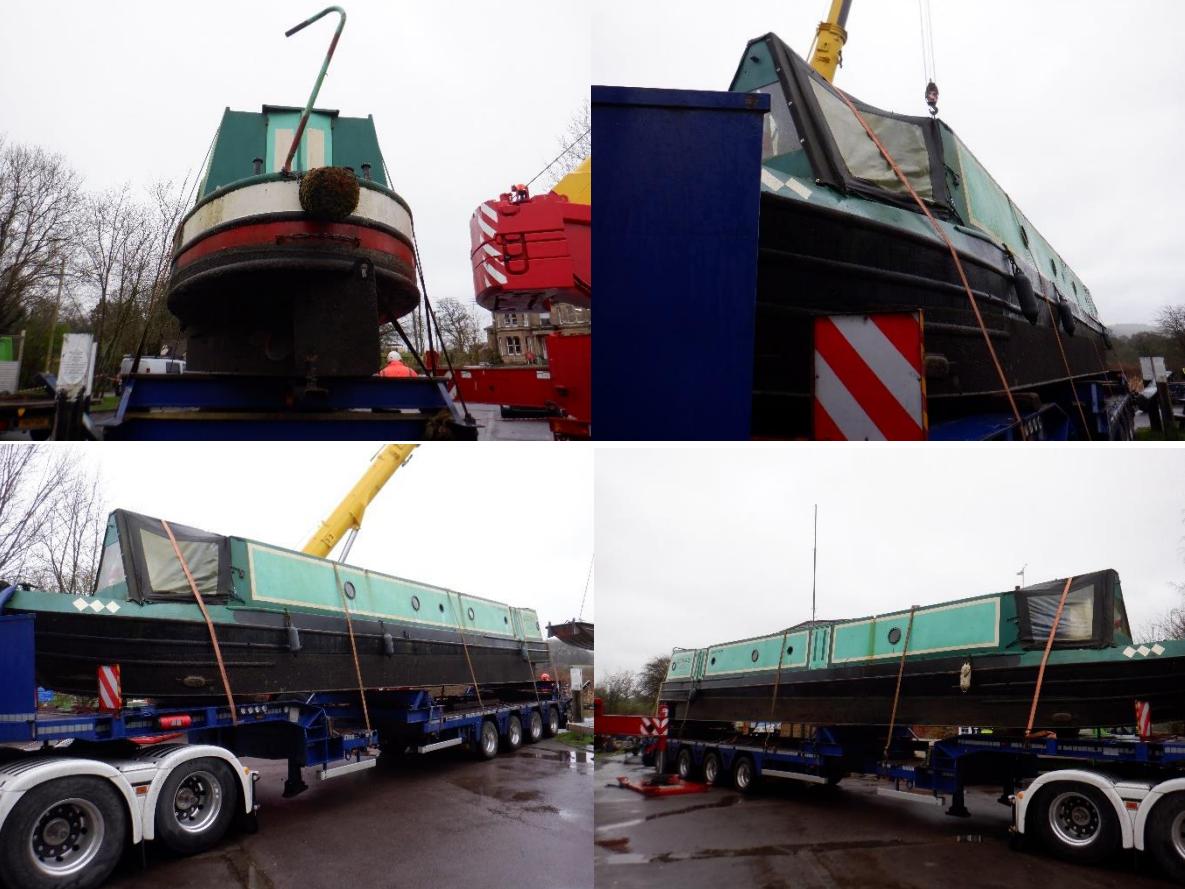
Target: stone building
(521, 337)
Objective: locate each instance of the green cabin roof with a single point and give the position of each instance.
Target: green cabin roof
(329, 140)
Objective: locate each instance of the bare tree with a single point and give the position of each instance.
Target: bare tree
(459, 328)
(1170, 320)
(617, 690)
(38, 197)
(33, 482)
(71, 544)
(653, 674)
(575, 145)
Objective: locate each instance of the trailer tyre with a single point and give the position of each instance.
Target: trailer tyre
(712, 767)
(1165, 835)
(744, 774)
(65, 834)
(196, 805)
(534, 727)
(1076, 822)
(685, 764)
(514, 733)
(487, 740)
(552, 727)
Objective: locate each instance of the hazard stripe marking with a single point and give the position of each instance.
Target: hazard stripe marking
(884, 359)
(854, 424)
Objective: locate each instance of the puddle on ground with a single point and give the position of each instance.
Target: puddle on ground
(243, 866)
(724, 803)
(523, 796)
(545, 809)
(571, 757)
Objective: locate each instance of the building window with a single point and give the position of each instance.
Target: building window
(510, 319)
(514, 346)
(544, 319)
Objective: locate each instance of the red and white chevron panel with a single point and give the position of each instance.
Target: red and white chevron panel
(869, 384)
(110, 694)
(1143, 719)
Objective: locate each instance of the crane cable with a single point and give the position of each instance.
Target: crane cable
(929, 66)
(954, 255)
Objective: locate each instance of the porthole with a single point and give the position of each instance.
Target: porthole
(441, 607)
(505, 620)
(349, 590)
(753, 657)
(1024, 236)
(894, 636)
(470, 613)
(415, 603)
(713, 662)
(790, 650)
(1053, 264)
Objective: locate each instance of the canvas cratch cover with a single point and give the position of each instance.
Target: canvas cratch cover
(139, 558)
(1092, 614)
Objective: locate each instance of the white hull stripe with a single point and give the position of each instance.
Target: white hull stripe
(491, 250)
(284, 197)
(489, 232)
(489, 211)
(494, 273)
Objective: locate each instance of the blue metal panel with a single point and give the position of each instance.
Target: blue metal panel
(675, 257)
(18, 688)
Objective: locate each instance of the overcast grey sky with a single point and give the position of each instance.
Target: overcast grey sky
(1080, 122)
(702, 545)
(468, 97)
(509, 521)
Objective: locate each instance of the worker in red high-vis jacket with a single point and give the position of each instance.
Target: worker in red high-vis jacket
(395, 367)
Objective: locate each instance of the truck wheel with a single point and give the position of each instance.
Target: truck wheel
(514, 733)
(744, 774)
(1076, 822)
(685, 764)
(552, 726)
(196, 805)
(65, 834)
(712, 767)
(1165, 835)
(487, 741)
(534, 727)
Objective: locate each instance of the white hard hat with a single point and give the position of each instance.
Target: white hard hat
(392, 355)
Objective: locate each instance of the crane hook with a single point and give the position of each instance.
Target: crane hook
(932, 98)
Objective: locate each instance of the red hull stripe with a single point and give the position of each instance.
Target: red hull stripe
(872, 400)
(269, 233)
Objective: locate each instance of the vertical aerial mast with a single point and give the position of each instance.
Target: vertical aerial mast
(830, 38)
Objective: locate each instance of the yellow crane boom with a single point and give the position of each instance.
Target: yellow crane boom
(347, 517)
(830, 37)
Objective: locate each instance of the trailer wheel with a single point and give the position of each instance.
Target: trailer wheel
(1076, 822)
(744, 774)
(552, 726)
(534, 727)
(685, 764)
(1165, 835)
(196, 805)
(514, 733)
(487, 741)
(65, 834)
(712, 767)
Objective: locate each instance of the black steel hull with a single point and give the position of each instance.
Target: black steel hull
(168, 659)
(1000, 695)
(818, 261)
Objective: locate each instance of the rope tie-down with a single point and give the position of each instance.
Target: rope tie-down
(953, 252)
(354, 651)
(1057, 618)
(900, 674)
(234, 713)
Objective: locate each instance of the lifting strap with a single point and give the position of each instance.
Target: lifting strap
(234, 713)
(777, 682)
(954, 255)
(900, 673)
(1053, 322)
(353, 650)
(465, 646)
(1057, 617)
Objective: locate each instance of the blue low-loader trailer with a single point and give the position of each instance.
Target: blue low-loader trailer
(1083, 798)
(77, 789)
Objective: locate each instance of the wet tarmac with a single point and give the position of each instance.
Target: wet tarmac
(437, 820)
(492, 427)
(811, 837)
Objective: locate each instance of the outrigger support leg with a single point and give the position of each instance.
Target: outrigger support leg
(294, 784)
(957, 806)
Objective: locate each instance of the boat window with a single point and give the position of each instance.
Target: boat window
(165, 576)
(904, 141)
(1077, 621)
(779, 135)
(110, 567)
